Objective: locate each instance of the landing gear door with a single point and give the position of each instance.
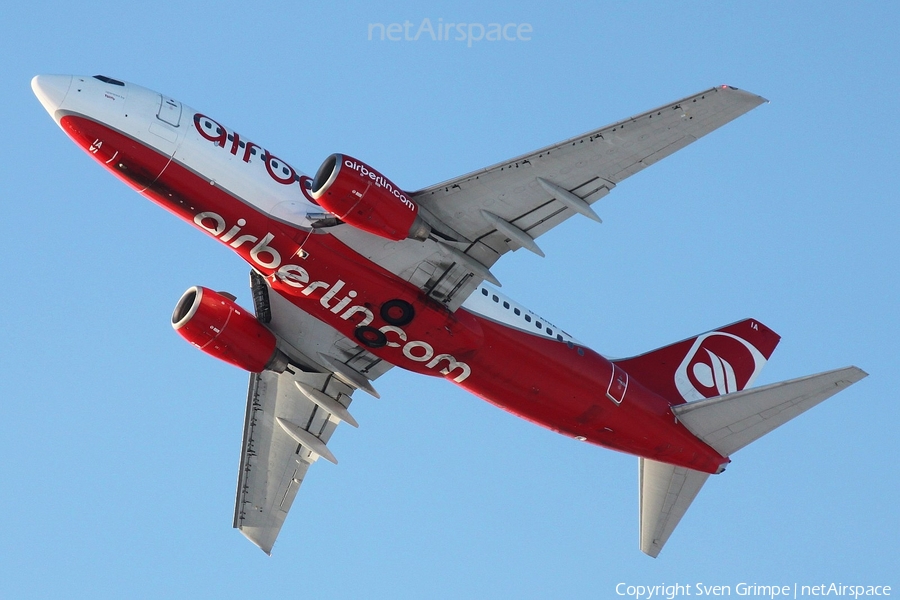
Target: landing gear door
(169, 111)
(618, 385)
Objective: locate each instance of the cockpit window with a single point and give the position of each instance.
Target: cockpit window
(106, 79)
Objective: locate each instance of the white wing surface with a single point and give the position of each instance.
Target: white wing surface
(480, 216)
(274, 462)
(291, 416)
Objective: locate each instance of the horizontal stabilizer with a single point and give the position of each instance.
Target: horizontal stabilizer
(727, 423)
(666, 493)
(730, 422)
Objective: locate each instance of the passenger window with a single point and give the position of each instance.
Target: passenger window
(484, 292)
(506, 305)
(528, 318)
(549, 331)
(517, 311)
(496, 299)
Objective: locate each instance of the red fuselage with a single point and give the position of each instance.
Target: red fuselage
(557, 384)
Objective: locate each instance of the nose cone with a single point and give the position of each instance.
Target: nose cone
(51, 90)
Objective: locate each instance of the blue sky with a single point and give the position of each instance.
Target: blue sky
(121, 441)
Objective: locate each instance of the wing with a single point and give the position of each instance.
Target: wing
(291, 416)
(480, 216)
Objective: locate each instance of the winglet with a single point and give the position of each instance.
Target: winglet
(749, 95)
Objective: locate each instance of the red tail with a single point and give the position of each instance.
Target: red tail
(711, 364)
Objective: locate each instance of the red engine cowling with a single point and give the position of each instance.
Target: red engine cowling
(361, 196)
(218, 326)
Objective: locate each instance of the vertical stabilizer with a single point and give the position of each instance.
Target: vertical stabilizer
(712, 364)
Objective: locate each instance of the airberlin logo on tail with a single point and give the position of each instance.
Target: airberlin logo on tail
(718, 363)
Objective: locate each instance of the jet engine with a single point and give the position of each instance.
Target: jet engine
(213, 322)
(361, 196)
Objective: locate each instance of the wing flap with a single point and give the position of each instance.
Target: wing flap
(273, 463)
(666, 493)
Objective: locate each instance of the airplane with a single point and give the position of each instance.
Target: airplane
(352, 275)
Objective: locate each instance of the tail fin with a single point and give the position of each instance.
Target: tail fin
(705, 366)
(727, 423)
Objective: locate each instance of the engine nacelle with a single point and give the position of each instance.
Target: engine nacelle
(361, 196)
(218, 326)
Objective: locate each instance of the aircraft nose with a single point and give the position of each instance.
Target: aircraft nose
(51, 90)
